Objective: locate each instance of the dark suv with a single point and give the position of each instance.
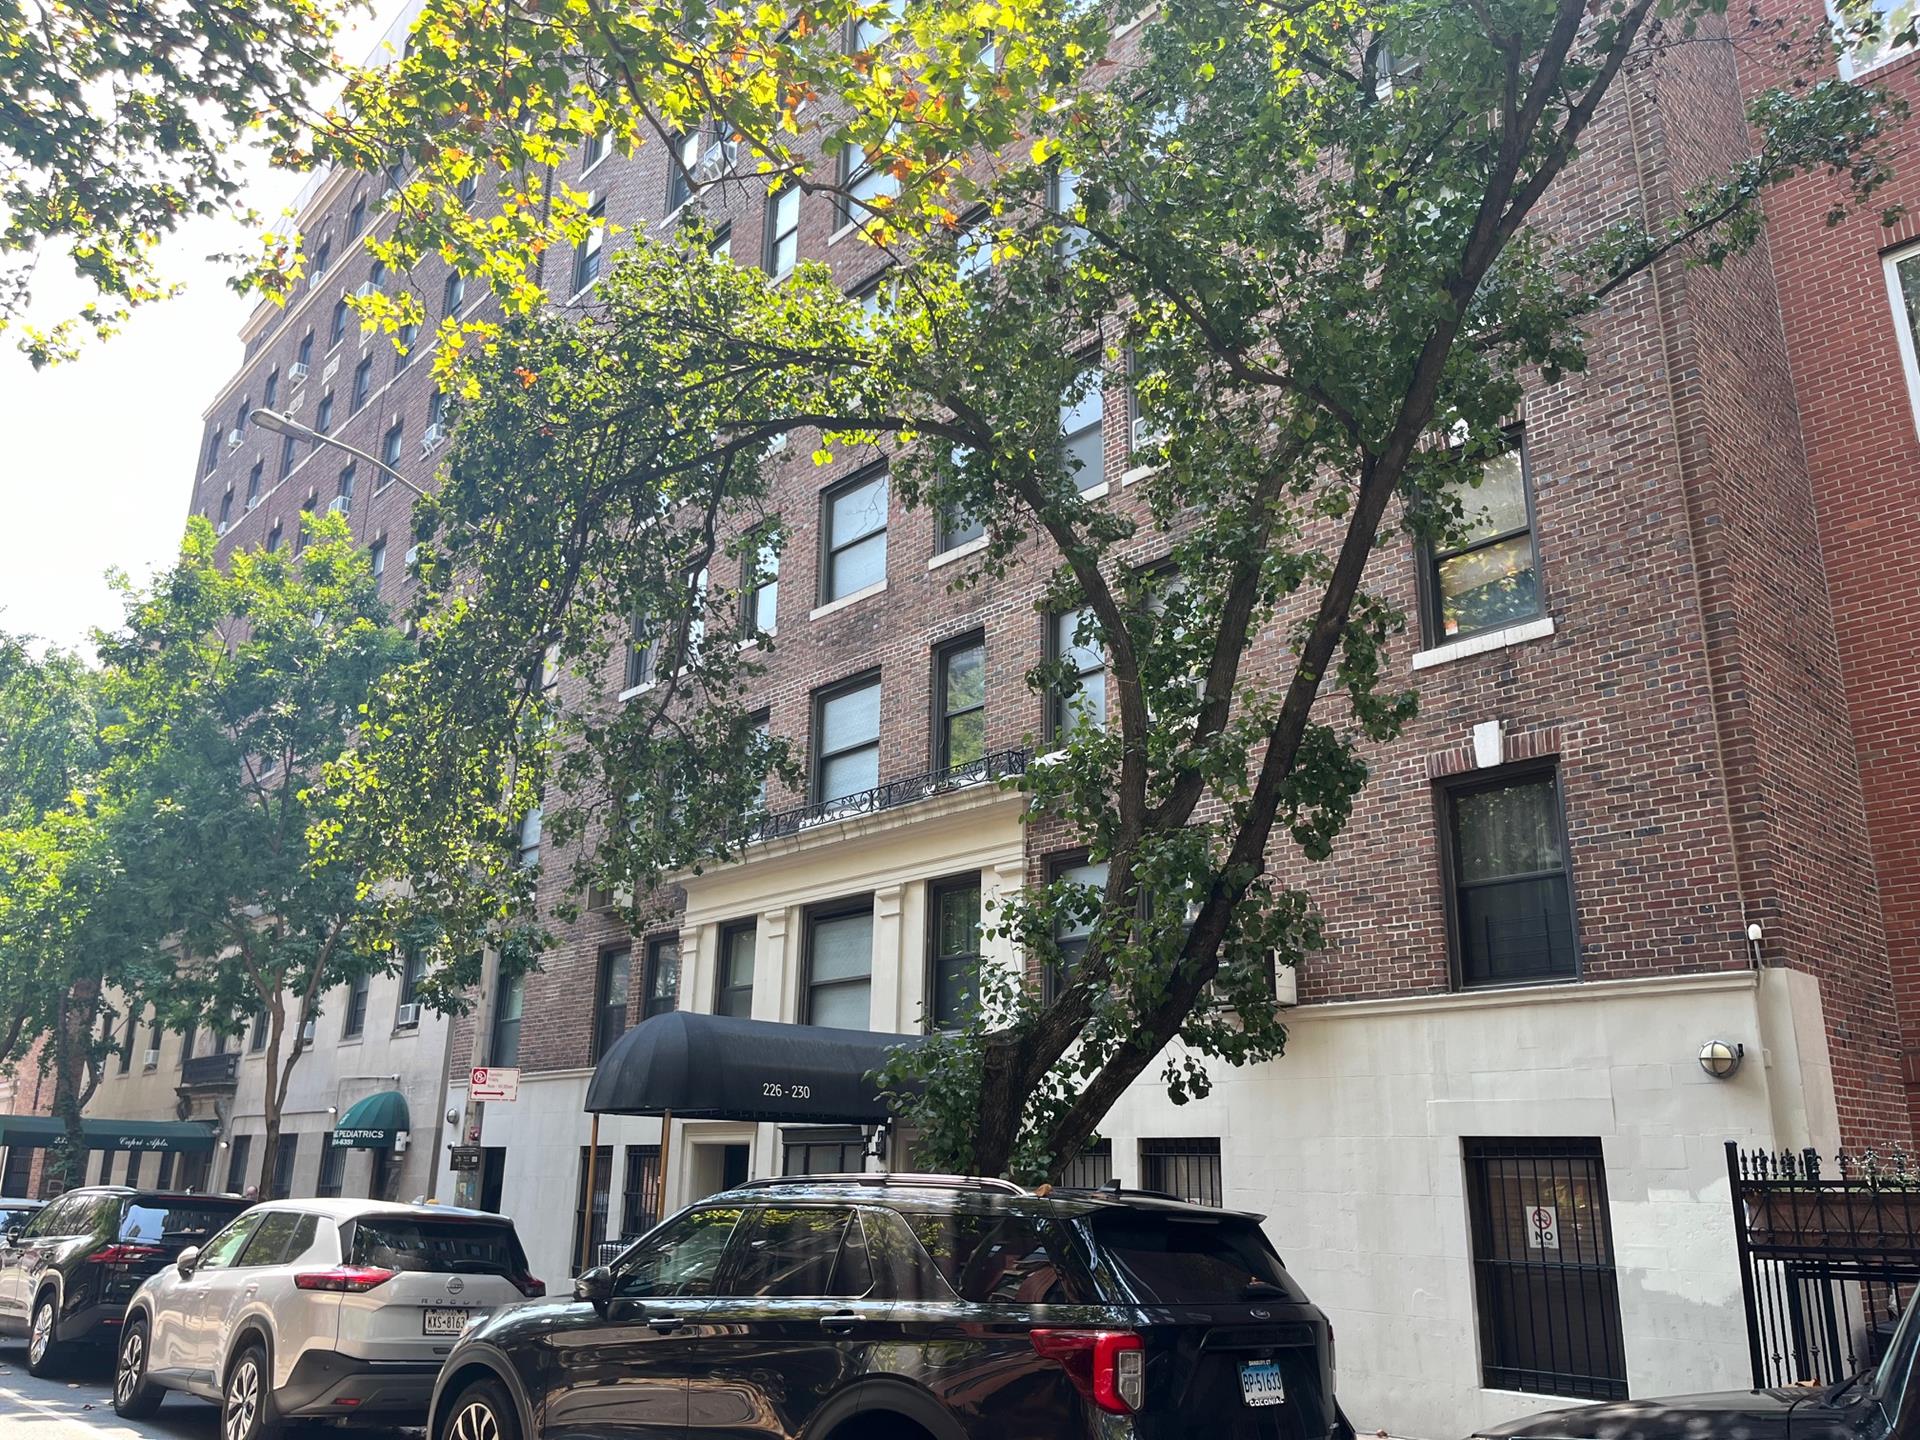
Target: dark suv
(66, 1277)
(866, 1307)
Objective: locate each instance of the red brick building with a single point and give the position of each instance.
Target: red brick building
(1668, 712)
(1849, 302)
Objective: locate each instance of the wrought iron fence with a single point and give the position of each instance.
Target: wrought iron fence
(904, 791)
(1827, 1257)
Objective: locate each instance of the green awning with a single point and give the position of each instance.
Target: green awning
(37, 1132)
(373, 1122)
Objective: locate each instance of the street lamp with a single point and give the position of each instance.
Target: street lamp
(283, 424)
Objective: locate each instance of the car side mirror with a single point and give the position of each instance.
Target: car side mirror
(595, 1286)
(187, 1261)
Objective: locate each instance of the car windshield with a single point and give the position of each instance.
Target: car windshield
(183, 1219)
(1176, 1259)
(466, 1247)
(1890, 1379)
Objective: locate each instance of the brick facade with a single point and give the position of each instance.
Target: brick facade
(1690, 688)
(1857, 423)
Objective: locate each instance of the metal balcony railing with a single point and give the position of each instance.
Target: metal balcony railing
(210, 1070)
(894, 793)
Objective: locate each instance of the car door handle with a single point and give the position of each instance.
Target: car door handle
(842, 1320)
(664, 1323)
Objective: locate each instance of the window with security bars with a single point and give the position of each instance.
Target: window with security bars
(1186, 1169)
(1091, 1168)
(1544, 1287)
(640, 1191)
(823, 1150)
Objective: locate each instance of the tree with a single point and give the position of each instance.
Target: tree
(231, 687)
(120, 121)
(1319, 237)
(63, 909)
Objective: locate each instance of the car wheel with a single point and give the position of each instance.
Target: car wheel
(134, 1396)
(246, 1402)
(43, 1351)
(483, 1411)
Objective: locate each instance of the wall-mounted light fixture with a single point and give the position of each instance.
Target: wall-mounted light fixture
(1721, 1059)
(1754, 934)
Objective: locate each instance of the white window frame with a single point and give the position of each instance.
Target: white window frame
(1902, 330)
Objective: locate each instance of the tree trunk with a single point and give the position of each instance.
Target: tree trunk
(67, 1161)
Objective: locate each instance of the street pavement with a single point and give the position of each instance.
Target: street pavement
(79, 1406)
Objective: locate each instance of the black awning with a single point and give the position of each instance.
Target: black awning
(714, 1067)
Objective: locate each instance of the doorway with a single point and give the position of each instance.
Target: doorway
(493, 1177)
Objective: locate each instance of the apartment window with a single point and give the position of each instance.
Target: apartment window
(863, 184)
(685, 155)
(1082, 409)
(437, 409)
(960, 703)
(237, 1158)
(953, 908)
(356, 1019)
(1862, 53)
(337, 326)
(323, 421)
(590, 1206)
(760, 584)
(640, 1191)
(1512, 896)
(286, 1155)
(300, 526)
(333, 1168)
(189, 1037)
(362, 384)
(854, 535)
(643, 652)
(357, 217)
(783, 231)
(468, 188)
(1071, 936)
(213, 449)
(1073, 640)
(733, 995)
(453, 294)
(289, 451)
(663, 977)
(1091, 1168)
(344, 489)
(610, 999)
(389, 455)
(593, 150)
(272, 391)
(507, 1010)
(1063, 197)
(823, 1150)
(412, 971)
(527, 848)
(586, 254)
(1487, 577)
(322, 258)
(953, 527)
(409, 334)
(871, 32)
(240, 413)
(722, 246)
(257, 1032)
(840, 967)
(1185, 1169)
(253, 484)
(226, 508)
(377, 558)
(1545, 1292)
(846, 740)
(126, 1046)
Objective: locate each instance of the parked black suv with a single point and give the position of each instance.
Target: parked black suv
(865, 1307)
(66, 1277)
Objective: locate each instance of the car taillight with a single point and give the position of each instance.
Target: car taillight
(118, 1254)
(354, 1279)
(533, 1289)
(1109, 1367)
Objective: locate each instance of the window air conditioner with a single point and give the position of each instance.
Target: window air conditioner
(366, 289)
(406, 1017)
(235, 437)
(221, 528)
(430, 441)
(1143, 433)
(413, 554)
(306, 1032)
(340, 505)
(296, 372)
(151, 1060)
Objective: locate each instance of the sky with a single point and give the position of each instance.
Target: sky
(97, 455)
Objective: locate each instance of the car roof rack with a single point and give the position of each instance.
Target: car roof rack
(904, 1178)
